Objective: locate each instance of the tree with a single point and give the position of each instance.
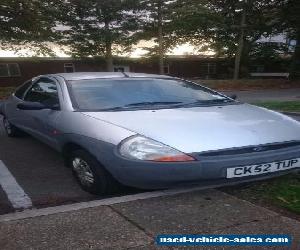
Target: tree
(195, 21)
(159, 25)
(289, 22)
(28, 23)
(99, 27)
(229, 27)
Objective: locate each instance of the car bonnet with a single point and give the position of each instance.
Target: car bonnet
(198, 129)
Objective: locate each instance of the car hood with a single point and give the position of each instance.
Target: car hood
(200, 129)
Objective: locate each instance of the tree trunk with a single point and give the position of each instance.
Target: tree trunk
(295, 65)
(108, 49)
(240, 47)
(160, 39)
(109, 58)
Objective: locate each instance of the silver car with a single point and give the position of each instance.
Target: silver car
(151, 131)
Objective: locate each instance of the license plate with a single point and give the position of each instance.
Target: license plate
(262, 168)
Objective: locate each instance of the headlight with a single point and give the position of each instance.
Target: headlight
(142, 148)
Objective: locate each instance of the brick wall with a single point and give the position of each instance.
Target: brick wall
(180, 67)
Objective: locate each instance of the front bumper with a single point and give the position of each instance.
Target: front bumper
(206, 170)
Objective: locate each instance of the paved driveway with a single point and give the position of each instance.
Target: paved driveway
(135, 224)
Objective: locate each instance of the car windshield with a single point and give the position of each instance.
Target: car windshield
(139, 93)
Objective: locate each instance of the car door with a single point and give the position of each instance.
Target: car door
(42, 123)
(16, 116)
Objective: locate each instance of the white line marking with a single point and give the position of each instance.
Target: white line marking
(15, 194)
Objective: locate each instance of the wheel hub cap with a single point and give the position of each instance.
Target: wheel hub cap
(83, 171)
(7, 126)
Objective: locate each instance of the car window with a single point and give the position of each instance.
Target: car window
(21, 90)
(43, 91)
(98, 94)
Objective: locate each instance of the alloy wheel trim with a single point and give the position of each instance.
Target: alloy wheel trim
(83, 171)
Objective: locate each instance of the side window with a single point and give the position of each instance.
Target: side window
(69, 67)
(9, 70)
(43, 91)
(21, 90)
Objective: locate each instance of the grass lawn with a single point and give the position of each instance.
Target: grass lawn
(291, 106)
(249, 84)
(282, 192)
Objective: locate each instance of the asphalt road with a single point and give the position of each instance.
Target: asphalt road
(40, 171)
(267, 95)
(296, 118)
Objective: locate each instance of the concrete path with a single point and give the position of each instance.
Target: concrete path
(135, 224)
(267, 95)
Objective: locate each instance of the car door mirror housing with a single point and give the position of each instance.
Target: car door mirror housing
(234, 96)
(54, 107)
(36, 106)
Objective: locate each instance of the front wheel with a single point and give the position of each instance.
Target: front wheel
(90, 174)
(10, 130)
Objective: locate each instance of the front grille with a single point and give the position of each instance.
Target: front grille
(251, 149)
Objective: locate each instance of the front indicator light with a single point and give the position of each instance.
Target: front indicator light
(175, 158)
(145, 149)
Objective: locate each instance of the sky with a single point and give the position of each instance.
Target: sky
(138, 51)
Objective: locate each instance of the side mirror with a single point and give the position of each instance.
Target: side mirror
(234, 96)
(35, 106)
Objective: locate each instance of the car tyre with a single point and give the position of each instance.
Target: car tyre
(10, 130)
(90, 174)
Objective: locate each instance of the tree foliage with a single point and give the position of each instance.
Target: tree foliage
(110, 27)
(228, 27)
(290, 22)
(158, 13)
(28, 23)
(157, 25)
(99, 28)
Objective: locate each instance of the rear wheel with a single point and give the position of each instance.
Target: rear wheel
(90, 174)
(11, 130)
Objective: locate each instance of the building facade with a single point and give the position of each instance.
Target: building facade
(15, 71)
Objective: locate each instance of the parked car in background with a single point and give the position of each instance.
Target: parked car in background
(151, 131)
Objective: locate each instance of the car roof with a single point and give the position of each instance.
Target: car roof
(97, 75)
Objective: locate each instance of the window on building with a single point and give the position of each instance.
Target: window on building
(121, 68)
(3, 70)
(258, 68)
(208, 68)
(167, 69)
(212, 68)
(69, 67)
(9, 70)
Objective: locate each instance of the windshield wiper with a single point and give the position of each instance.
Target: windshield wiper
(176, 104)
(138, 104)
(205, 102)
(218, 100)
(150, 103)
